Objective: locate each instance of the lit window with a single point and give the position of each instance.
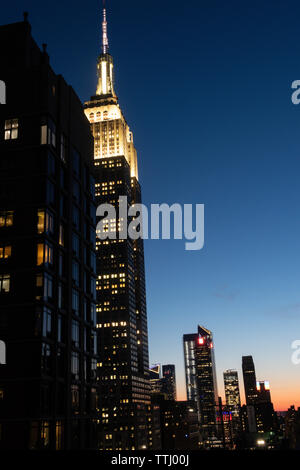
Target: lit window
(11, 129)
(45, 222)
(44, 254)
(4, 282)
(61, 235)
(48, 133)
(6, 218)
(5, 251)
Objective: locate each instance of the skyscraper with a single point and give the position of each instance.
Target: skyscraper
(201, 382)
(232, 390)
(169, 384)
(233, 401)
(249, 379)
(48, 395)
(121, 297)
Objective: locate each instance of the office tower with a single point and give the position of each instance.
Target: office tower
(121, 297)
(169, 382)
(155, 379)
(266, 418)
(249, 379)
(232, 390)
(201, 383)
(233, 402)
(263, 391)
(47, 256)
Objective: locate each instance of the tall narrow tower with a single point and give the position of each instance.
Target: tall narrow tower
(249, 380)
(123, 368)
(201, 382)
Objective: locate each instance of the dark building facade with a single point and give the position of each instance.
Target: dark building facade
(249, 377)
(169, 384)
(48, 393)
(179, 425)
(201, 382)
(123, 367)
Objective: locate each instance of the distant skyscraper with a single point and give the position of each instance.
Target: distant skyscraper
(155, 379)
(263, 391)
(232, 389)
(233, 401)
(121, 294)
(201, 383)
(169, 385)
(266, 419)
(249, 379)
(48, 396)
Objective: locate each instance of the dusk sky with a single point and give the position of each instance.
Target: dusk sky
(206, 89)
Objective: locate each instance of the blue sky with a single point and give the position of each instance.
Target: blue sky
(206, 87)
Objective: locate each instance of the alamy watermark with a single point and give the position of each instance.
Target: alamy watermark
(136, 221)
(296, 354)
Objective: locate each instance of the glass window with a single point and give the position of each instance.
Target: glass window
(45, 222)
(47, 322)
(63, 148)
(61, 235)
(51, 164)
(76, 190)
(6, 218)
(75, 216)
(44, 253)
(48, 133)
(5, 251)
(75, 365)
(75, 333)
(11, 129)
(75, 244)
(50, 192)
(4, 283)
(75, 301)
(46, 358)
(75, 272)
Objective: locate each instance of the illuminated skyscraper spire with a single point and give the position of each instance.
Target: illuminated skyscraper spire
(104, 31)
(105, 86)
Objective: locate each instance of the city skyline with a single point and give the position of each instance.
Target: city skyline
(236, 271)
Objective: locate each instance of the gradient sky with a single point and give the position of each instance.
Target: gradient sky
(206, 87)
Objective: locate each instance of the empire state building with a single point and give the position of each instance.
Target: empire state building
(124, 401)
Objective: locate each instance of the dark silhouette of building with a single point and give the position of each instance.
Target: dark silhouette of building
(121, 295)
(179, 424)
(266, 418)
(201, 383)
(249, 379)
(169, 383)
(48, 393)
(292, 428)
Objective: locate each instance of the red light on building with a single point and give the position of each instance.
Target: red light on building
(200, 340)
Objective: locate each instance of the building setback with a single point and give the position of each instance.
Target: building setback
(123, 367)
(48, 393)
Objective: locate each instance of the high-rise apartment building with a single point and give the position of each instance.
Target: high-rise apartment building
(201, 382)
(123, 367)
(48, 393)
(249, 379)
